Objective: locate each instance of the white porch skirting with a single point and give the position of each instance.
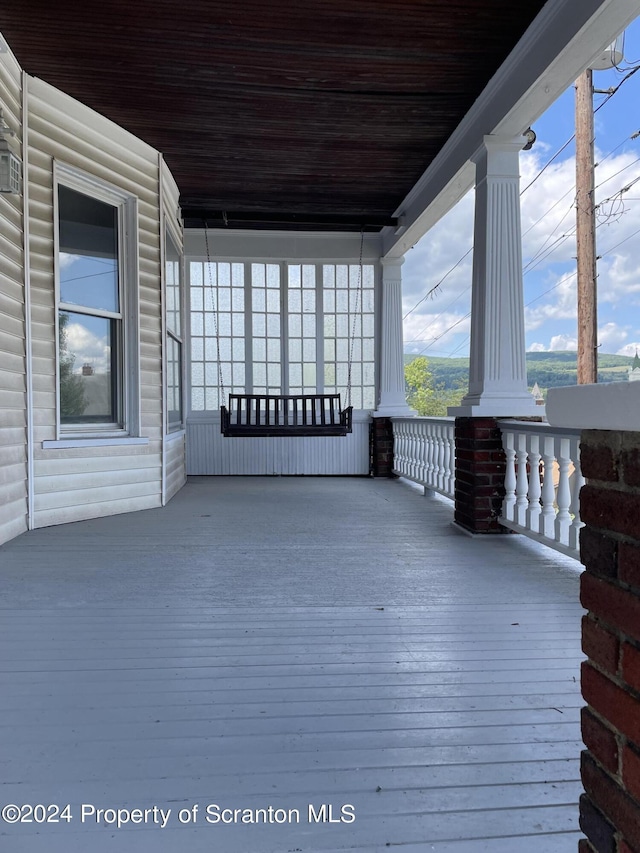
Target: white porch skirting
(209, 452)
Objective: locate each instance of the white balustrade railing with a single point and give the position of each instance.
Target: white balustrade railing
(542, 484)
(424, 451)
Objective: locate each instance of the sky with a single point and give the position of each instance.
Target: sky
(439, 326)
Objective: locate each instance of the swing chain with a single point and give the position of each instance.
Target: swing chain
(355, 317)
(214, 309)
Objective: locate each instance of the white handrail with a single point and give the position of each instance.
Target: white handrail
(424, 452)
(542, 484)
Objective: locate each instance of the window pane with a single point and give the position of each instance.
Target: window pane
(88, 256)
(174, 383)
(87, 355)
(172, 274)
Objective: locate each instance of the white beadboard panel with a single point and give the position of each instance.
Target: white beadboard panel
(13, 382)
(209, 452)
(73, 484)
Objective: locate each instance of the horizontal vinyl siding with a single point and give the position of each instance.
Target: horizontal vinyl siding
(73, 484)
(13, 383)
(175, 466)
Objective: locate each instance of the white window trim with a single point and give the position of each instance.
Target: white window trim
(170, 229)
(128, 254)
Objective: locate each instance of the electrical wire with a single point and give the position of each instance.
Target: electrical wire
(563, 238)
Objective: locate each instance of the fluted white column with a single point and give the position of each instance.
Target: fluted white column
(497, 369)
(392, 400)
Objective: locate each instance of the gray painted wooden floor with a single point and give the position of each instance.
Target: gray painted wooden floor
(284, 642)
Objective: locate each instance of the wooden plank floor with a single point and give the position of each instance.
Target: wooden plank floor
(271, 644)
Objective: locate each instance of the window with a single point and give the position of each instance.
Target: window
(173, 290)
(95, 294)
(278, 328)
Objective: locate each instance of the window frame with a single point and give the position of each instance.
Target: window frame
(126, 393)
(360, 388)
(171, 234)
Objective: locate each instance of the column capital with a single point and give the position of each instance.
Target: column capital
(391, 264)
(491, 143)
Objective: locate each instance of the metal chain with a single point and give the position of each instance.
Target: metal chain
(355, 317)
(214, 309)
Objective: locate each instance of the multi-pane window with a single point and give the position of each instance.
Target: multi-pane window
(217, 332)
(173, 292)
(266, 328)
(90, 315)
(302, 339)
(281, 329)
(348, 309)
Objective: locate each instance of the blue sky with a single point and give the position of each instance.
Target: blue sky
(440, 327)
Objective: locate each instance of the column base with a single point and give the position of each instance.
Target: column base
(483, 406)
(381, 443)
(394, 412)
(480, 472)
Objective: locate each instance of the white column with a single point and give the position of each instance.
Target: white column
(393, 400)
(497, 369)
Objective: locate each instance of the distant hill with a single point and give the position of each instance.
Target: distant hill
(548, 369)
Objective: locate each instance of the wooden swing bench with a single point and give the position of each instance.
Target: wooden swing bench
(269, 415)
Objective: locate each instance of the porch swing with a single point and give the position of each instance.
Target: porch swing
(270, 415)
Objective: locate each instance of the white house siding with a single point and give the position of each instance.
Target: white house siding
(174, 446)
(85, 482)
(13, 412)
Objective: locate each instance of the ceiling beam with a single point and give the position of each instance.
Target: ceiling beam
(196, 217)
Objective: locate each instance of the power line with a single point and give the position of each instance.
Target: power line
(610, 95)
(436, 286)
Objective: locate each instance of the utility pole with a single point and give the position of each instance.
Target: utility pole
(586, 233)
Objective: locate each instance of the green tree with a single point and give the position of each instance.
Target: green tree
(72, 399)
(428, 399)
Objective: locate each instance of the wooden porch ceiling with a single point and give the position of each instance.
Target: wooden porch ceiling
(277, 114)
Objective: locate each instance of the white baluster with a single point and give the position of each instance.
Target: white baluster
(509, 503)
(578, 483)
(430, 456)
(451, 460)
(563, 518)
(522, 481)
(397, 446)
(446, 459)
(535, 487)
(547, 519)
(440, 481)
(423, 453)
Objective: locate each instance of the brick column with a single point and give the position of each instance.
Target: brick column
(480, 472)
(382, 447)
(610, 592)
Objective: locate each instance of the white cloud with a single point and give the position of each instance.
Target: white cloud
(629, 349)
(611, 337)
(87, 348)
(537, 347)
(65, 260)
(562, 343)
